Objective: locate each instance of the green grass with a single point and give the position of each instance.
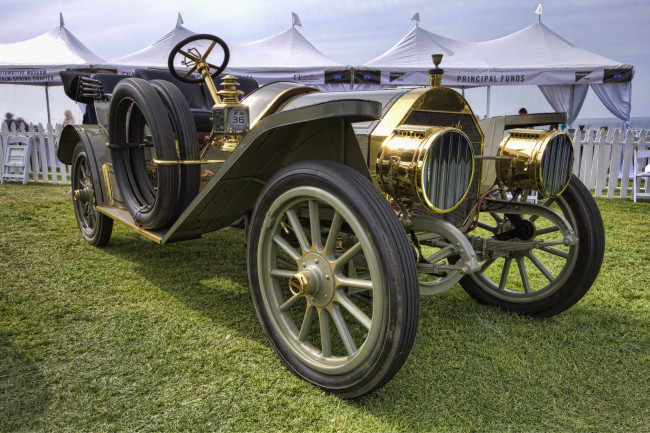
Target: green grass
(138, 337)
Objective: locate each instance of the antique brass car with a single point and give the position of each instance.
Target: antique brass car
(354, 203)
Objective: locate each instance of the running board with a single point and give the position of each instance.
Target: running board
(123, 216)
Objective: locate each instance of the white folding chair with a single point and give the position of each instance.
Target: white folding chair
(17, 158)
(641, 160)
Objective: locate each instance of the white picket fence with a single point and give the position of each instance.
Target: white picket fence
(45, 166)
(603, 160)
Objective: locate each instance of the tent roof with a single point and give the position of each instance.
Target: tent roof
(156, 54)
(285, 50)
(57, 47)
(535, 47)
(414, 51)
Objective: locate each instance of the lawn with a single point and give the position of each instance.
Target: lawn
(139, 337)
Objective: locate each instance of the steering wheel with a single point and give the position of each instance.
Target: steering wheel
(188, 53)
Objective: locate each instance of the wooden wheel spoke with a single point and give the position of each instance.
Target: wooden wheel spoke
(547, 230)
(314, 222)
(332, 237)
(523, 274)
(289, 303)
(298, 230)
(347, 256)
(355, 311)
(355, 282)
(287, 248)
(307, 320)
(504, 273)
(325, 337)
(539, 265)
(555, 252)
(487, 264)
(343, 330)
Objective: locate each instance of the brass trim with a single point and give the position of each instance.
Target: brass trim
(527, 166)
(107, 180)
(188, 161)
(403, 158)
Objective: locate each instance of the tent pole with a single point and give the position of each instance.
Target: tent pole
(47, 100)
(351, 78)
(487, 107)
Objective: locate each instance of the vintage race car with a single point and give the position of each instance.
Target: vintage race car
(354, 203)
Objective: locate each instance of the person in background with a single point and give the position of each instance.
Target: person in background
(9, 120)
(20, 123)
(69, 120)
(522, 110)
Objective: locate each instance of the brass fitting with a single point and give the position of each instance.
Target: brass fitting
(229, 93)
(435, 74)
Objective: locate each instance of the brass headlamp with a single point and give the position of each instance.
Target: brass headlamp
(540, 160)
(431, 165)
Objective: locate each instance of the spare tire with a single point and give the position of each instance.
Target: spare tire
(139, 131)
(182, 124)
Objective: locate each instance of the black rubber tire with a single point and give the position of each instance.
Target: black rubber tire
(182, 123)
(95, 227)
(136, 105)
(389, 261)
(579, 271)
(204, 36)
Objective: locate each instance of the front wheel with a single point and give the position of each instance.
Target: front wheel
(333, 278)
(531, 271)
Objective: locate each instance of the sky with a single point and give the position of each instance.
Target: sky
(353, 32)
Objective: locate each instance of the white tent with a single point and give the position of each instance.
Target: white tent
(287, 56)
(284, 56)
(533, 56)
(154, 55)
(39, 60)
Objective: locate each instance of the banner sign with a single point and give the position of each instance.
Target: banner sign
(366, 76)
(30, 76)
(337, 76)
(508, 78)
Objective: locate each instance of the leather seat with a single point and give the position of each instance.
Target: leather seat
(197, 95)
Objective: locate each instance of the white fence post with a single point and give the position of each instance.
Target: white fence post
(603, 159)
(45, 165)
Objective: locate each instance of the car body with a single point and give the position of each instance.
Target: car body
(354, 203)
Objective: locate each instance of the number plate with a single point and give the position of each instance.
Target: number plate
(238, 119)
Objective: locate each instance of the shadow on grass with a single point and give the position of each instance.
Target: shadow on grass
(24, 394)
(208, 275)
(477, 368)
(471, 368)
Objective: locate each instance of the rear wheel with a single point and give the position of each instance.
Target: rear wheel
(333, 278)
(549, 278)
(95, 227)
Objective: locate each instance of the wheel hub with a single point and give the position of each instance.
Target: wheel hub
(84, 194)
(313, 280)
